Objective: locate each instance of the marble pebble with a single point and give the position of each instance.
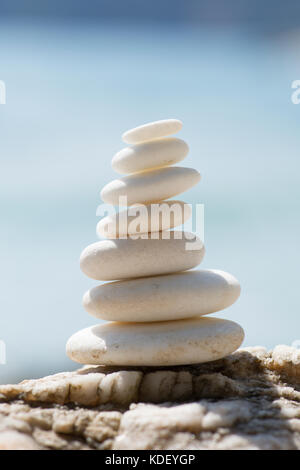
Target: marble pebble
(109, 260)
(151, 186)
(151, 131)
(160, 298)
(144, 219)
(188, 341)
(150, 155)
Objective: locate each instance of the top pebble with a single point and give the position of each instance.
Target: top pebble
(152, 131)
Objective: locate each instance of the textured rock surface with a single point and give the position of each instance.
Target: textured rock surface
(249, 400)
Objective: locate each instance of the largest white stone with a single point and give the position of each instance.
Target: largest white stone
(110, 260)
(178, 342)
(169, 297)
(150, 186)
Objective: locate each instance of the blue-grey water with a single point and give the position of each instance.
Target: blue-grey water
(72, 89)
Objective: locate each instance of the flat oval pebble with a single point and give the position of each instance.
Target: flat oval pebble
(144, 219)
(169, 297)
(155, 154)
(191, 341)
(151, 131)
(109, 260)
(150, 186)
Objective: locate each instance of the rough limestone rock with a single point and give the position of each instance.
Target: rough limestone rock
(249, 400)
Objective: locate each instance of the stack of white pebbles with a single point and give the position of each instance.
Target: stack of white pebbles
(155, 305)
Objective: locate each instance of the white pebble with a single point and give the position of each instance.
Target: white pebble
(110, 260)
(151, 131)
(144, 219)
(190, 341)
(150, 186)
(168, 297)
(155, 154)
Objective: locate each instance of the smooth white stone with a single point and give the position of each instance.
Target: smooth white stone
(150, 186)
(155, 154)
(109, 260)
(160, 298)
(151, 131)
(169, 343)
(144, 219)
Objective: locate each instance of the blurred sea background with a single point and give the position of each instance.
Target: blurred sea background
(77, 75)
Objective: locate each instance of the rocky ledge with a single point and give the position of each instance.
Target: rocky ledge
(249, 400)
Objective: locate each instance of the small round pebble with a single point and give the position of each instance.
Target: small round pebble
(163, 253)
(151, 131)
(144, 219)
(155, 154)
(150, 186)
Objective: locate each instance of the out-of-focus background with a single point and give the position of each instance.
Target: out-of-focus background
(77, 75)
